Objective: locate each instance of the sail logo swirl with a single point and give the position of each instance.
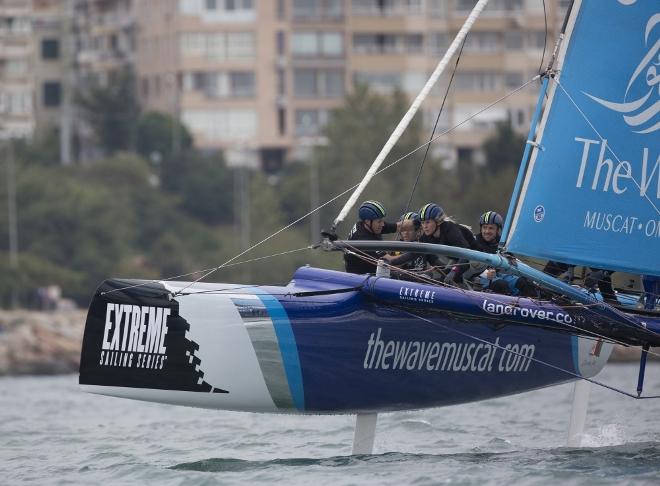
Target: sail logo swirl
(643, 113)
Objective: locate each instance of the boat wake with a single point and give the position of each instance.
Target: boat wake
(639, 458)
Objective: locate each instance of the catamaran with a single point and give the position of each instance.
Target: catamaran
(587, 193)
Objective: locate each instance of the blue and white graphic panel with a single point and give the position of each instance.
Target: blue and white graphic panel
(592, 191)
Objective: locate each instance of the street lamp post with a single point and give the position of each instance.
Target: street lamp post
(12, 220)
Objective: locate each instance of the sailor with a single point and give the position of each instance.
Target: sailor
(600, 280)
(440, 229)
(410, 225)
(651, 285)
(371, 225)
(409, 231)
(488, 241)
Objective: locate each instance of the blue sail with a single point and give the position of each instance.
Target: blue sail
(591, 192)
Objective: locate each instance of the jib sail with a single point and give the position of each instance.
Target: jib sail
(591, 192)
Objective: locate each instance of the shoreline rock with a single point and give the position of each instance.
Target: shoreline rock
(40, 343)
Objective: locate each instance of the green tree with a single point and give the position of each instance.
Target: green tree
(159, 133)
(356, 133)
(504, 148)
(112, 111)
(42, 150)
(202, 183)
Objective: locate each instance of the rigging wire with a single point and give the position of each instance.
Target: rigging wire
(545, 39)
(470, 295)
(536, 360)
(205, 270)
(382, 169)
(437, 120)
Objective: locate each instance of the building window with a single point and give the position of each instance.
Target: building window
(211, 4)
(438, 8)
(16, 67)
(413, 43)
(318, 9)
(52, 91)
(439, 43)
(310, 122)
(240, 45)
(15, 103)
(215, 48)
(324, 44)
(281, 121)
(380, 43)
(323, 83)
(231, 5)
(225, 125)
(476, 81)
(482, 42)
(50, 49)
(218, 47)
(536, 39)
(281, 82)
(241, 84)
(514, 40)
(493, 7)
(217, 84)
(281, 43)
(514, 79)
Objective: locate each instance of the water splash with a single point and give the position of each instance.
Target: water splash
(606, 436)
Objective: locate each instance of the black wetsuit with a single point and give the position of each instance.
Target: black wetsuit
(353, 263)
(486, 246)
(451, 234)
(499, 286)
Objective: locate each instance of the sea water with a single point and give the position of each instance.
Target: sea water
(52, 433)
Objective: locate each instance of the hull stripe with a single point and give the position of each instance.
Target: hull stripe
(288, 348)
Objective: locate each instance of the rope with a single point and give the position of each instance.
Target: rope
(437, 120)
(208, 269)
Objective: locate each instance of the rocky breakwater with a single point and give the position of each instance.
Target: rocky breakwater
(40, 342)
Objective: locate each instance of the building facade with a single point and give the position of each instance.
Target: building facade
(258, 78)
(17, 86)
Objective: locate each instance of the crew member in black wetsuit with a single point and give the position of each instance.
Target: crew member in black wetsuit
(437, 228)
(408, 262)
(488, 241)
(371, 225)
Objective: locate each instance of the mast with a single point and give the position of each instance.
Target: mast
(403, 124)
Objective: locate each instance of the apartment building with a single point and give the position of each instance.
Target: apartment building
(258, 78)
(105, 37)
(17, 111)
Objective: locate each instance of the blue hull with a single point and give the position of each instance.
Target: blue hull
(329, 342)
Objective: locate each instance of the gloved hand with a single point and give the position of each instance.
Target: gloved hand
(330, 235)
(449, 279)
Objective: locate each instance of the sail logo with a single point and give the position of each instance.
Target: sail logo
(539, 213)
(433, 356)
(642, 114)
(495, 308)
(134, 336)
(606, 175)
(416, 295)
